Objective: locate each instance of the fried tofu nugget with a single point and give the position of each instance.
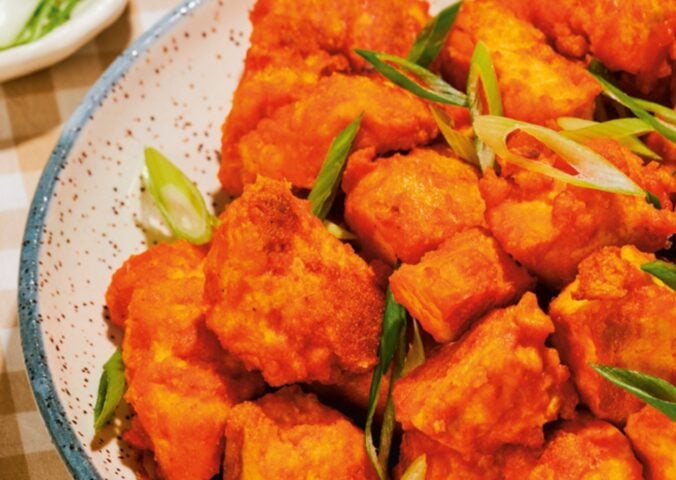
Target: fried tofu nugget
(615, 314)
(653, 436)
(295, 43)
(633, 36)
(174, 260)
(442, 462)
(466, 277)
(281, 147)
(549, 226)
(287, 297)
(466, 396)
(536, 84)
(182, 407)
(181, 383)
(404, 206)
(586, 449)
(289, 434)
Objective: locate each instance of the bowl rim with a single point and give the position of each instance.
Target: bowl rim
(53, 414)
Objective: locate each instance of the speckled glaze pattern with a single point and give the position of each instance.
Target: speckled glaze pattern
(171, 89)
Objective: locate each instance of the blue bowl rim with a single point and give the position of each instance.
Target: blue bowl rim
(46, 396)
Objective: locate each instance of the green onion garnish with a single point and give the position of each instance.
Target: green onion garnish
(326, 185)
(339, 232)
(48, 15)
(482, 74)
(664, 271)
(391, 340)
(653, 390)
(460, 144)
(177, 198)
(593, 171)
(111, 388)
(433, 88)
(432, 37)
(652, 199)
(638, 108)
(417, 470)
(416, 351)
(660, 111)
(622, 130)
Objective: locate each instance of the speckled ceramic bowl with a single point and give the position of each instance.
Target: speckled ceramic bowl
(170, 90)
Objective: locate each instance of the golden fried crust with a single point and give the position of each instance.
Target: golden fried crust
(181, 383)
(587, 450)
(634, 36)
(465, 395)
(182, 408)
(549, 226)
(443, 463)
(653, 436)
(615, 314)
(466, 277)
(288, 433)
(281, 147)
(295, 43)
(309, 26)
(167, 260)
(536, 84)
(287, 297)
(408, 204)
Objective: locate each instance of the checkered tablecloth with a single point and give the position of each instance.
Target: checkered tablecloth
(32, 111)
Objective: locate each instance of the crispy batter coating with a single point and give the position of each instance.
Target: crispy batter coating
(536, 83)
(406, 205)
(615, 314)
(633, 36)
(466, 395)
(280, 146)
(182, 407)
(585, 449)
(167, 260)
(549, 226)
(181, 383)
(295, 43)
(289, 298)
(443, 463)
(653, 436)
(466, 277)
(289, 434)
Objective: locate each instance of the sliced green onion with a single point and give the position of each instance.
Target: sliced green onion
(111, 388)
(594, 171)
(326, 185)
(482, 74)
(391, 337)
(611, 91)
(48, 15)
(433, 88)
(177, 198)
(621, 130)
(339, 232)
(460, 144)
(664, 271)
(652, 199)
(416, 470)
(653, 390)
(432, 37)
(660, 111)
(416, 351)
